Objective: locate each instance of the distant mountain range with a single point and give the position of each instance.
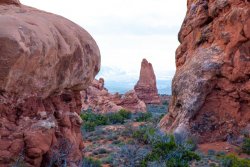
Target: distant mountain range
(164, 86)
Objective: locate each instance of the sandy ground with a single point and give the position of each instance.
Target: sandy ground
(221, 146)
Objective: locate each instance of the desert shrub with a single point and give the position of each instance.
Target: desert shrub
(128, 131)
(112, 137)
(143, 117)
(119, 117)
(91, 120)
(246, 146)
(90, 162)
(100, 132)
(233, 161)
(115, 118)
(143, 133)
(100, 151)
(89, 126)
(125, 114)
(130, 156)
(191, 144)
(98, 119)
(211, 152)
(115, 142)
(107, 160)
(164, 148)
(220, 153)
(59, 153)
(245, 132)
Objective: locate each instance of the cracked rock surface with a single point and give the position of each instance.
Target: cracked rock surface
(210, 90)
(45, 61)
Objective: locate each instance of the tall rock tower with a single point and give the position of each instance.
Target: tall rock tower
(146, 88)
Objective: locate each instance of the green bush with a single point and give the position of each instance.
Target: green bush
(90, 162)
(115, 118)
(125, 114)
(89, 126)
(100, 151)
(98, 119)
(143, 133)
(246, 146)
(107, 160)
(91, 120)
(164, 148)
(143, 117)
(233, 161)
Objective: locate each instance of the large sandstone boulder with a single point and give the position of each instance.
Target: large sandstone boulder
(146, 88)
(100, 100)
(210, 90)
(131, 102)
(45, 62)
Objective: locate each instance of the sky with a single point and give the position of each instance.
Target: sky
(126, 31)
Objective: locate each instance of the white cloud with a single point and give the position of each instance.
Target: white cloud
(126, 30)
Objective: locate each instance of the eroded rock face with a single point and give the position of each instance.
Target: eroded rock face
(131, 102)
(45, 60)
(210, 90)
(146, 88)
(8, 2)
(100, 100)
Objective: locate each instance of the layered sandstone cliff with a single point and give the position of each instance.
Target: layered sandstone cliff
(146, 88)
(100, 100)
(210, 90)
(45, 61)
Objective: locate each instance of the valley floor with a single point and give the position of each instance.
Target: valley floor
(120, 144)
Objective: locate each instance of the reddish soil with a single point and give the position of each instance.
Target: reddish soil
(222, 146)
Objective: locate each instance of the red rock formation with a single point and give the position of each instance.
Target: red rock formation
(210, 90)
(146, 88)
(131, 102)
(10, 2)
(100, 100)
(45, 61)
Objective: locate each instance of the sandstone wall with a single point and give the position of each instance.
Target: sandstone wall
(45, 61)
(210, 90)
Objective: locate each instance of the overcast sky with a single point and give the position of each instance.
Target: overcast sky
(126, 31)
